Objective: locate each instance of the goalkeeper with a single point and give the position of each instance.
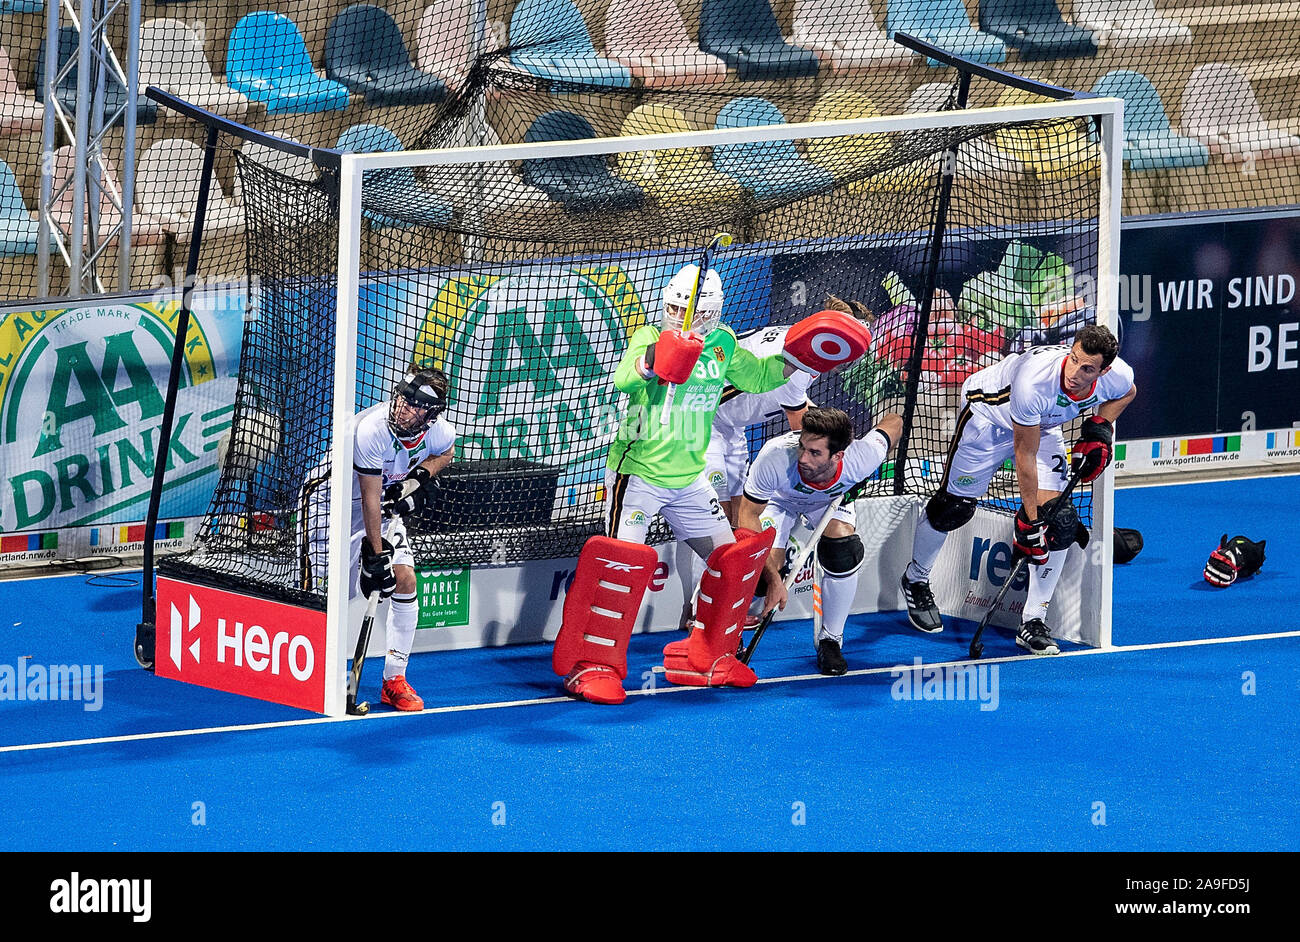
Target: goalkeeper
(398, 447)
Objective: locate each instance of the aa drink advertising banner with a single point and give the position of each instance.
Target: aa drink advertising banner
(82, 390)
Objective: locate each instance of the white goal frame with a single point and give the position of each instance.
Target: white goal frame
(1109, 111)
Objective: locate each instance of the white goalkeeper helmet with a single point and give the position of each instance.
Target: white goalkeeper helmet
(708, 306)
(418, 399)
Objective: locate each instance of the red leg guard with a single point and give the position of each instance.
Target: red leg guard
(708, 657)
(600, 611)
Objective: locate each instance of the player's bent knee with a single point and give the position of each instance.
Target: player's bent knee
(840, 556)
(405, 576)
(948, 512)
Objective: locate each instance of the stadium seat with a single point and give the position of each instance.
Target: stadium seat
(172, 58)
(167, 180)
(820, 25)
(267, 60)
(418, 205)
(22, 6)
(19, 229)
(1035, 29)
(650, 38)
(674, 176)
(845, 155)
(549, 39)
(1054, 152)
(1150, 143)
(145, 229)
(364, 50)
(494, 188)
(582, 184)
(772, 170)
(146, 112)
(975, 158)
(746, 35)
(1129, 23)
(19, 111)
(445, 42)
(946, 24)
(1221, 111)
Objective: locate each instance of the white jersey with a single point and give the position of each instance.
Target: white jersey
(1025, 389)
(376, 450)
(774, 476)
(737, 410)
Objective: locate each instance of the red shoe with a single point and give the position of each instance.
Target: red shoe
(398, 694)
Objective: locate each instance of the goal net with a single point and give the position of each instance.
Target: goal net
(521, 271)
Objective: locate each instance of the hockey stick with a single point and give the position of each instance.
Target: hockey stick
(976, 646)
(797, 566)
(719, 241)
(359, 655)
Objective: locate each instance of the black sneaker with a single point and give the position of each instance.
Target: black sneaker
(1035, 638)
(829, 659)
(921, 610)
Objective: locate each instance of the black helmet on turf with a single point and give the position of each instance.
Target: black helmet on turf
(418, 399)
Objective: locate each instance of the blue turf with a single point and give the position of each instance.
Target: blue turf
(1166, 740)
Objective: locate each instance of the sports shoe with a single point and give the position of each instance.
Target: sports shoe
(829, 659)
(921, 610)
(1035, 638)
(397, 693)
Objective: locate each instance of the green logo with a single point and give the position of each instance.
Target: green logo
(443, 597)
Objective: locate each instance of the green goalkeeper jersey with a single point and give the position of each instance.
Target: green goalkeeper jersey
(671, 454)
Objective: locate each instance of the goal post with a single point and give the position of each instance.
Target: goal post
(523, 269)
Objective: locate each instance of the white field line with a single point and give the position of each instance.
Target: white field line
(655, 691)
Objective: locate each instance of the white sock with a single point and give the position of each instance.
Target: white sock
(401, 635)
(837, 600)
(1042, 583)
(925, 550)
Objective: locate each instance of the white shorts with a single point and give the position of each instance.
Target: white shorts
(692, 511)
(318, 550)
(784, 522)
(982, 448)
(726, 462)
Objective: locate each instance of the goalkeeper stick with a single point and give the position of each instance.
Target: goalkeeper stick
(977, 646)
(721, 240)
(809, 548)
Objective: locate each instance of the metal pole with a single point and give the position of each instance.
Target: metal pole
(145, 631)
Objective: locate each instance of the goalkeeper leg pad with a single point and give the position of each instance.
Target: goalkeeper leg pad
(600, 611)
(708, 657)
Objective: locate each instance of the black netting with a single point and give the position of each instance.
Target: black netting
(1210, 91)
(523, 281)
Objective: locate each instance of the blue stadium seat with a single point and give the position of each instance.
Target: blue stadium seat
(1150, 142)
(22, 6)
(745, 35)
(419, 206)
(1036, 29)
(19, 229)
(267, 60)
(772, 170)
(581, 184)
(946, 24)
(364, 50)
(146, 112)
(554, 43)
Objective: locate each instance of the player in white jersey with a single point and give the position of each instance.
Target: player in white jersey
(727, 457)
(800, 474)
(1015, 409)
(398, 447)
